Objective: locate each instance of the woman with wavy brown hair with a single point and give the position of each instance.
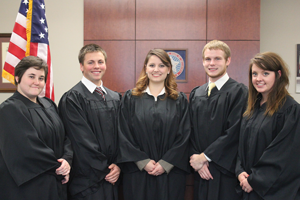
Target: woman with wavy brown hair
(154, 129)
(268, 157)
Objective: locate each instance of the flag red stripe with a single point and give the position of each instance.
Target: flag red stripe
(17, 51)
(20, 30)
(10, 69)
(48, 84)
(33, 49)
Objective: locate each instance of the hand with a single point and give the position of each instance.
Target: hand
(150, 166)
(197, 161)
(205, 173)
(158, 170)
(114, 174)
(64, 168)
(66, 179)
(243, 178)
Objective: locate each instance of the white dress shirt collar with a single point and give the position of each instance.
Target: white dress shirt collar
(163, 91)
(220, 82)
(90, 85)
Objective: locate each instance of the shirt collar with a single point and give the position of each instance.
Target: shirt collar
(163, 91)
(91, 86)
(220, 82)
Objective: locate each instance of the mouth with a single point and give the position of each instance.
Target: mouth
(156, 75)
(212, 69)
(260, 84)
(97, 72)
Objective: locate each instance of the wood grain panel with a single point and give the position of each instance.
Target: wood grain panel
(171, 19)
(120, 72)
(195, 71)
(109, 20)
(233, 20)
(241, 53)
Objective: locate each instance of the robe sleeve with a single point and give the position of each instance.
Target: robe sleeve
(178, 154)
(276, 174)
(84, 141)
(223, 150)
(68, 151)
(129, 149)
(25, 154)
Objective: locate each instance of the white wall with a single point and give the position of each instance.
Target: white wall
(280, 33)
(65, 21)
(280, 28)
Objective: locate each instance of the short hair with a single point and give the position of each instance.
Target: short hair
(170, 82)
(28, 62)
(272, 62)
(215, 45)
(89, 48)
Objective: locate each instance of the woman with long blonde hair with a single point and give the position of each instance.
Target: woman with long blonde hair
(154, 131)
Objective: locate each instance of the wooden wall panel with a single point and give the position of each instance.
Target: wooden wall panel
(241, 53)
(233, 20)
(120, 72)
(195, 71)
(109, 20)
(171, 20)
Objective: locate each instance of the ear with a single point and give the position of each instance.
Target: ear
(17, 79)
(279, 72)
(228, 61)
(81, 67)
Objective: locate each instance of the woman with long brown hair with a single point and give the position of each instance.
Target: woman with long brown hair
(268, 157)
(154, 129)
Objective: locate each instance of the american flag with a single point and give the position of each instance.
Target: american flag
(30, 37)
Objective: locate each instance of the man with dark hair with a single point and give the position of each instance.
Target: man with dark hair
(216, 110)
(89, 112)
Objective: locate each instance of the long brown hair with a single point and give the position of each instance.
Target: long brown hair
(143, 81)
(272, 62)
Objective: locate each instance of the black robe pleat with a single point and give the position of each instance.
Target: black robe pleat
(156, 130)
(269, 152)
(91, 125)
(215, 126)
(32, 138)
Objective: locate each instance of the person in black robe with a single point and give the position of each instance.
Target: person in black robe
(268, 157)
(215, 123)
(35, 154)
(154, 131)
(89, 112)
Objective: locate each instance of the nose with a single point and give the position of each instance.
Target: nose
(259, 77)
(36, 81)
(156, 68)
(212, 62)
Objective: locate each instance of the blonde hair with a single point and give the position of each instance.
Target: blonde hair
(217, 44)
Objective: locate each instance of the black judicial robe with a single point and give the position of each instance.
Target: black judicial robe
(269, 151)
(32, 138)
(215, 126)
(91, 125)
(154, 130)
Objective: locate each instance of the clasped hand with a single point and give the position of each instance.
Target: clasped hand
(200, 164)
(243, 178)
(154, 168)
(63, 170)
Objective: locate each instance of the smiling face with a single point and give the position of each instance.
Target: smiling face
(263, 80)
(156, 70)
(215, 64)
(94, 67)
(32, 83)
